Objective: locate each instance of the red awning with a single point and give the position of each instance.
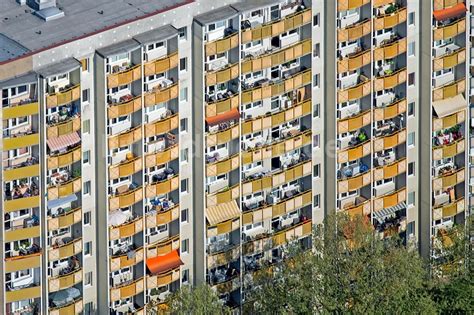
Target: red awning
(160, 264)
(444, 14)
(62, 142)
(232, 114)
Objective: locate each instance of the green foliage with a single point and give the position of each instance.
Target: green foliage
(199, 300)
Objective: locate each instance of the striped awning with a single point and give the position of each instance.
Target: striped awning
(62, 142)
(222, 212)
(386, 212)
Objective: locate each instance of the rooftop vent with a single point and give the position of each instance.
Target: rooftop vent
(46, 9)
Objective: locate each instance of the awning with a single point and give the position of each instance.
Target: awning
(449, 106)
(232, 114)
(222, 212)
(62, 142)
(61, 201)
(386, 212)
(160, 264)
(458, 9)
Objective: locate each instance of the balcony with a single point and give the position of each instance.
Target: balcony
(125, 138)
(449, 210)
(390, 80)
(344, 5)
(450, 60)
(354, 183)
(64, 159)
(276, 28)
(449, 121)
(222, 45)
(162, 157)
(156, 281)
(127, 290)
(125, 196)
(223, 258)
(161, 94)
(354, 123)
(27, 231)
(224, 104)
(360, 206)
(69, 277)
(390, 170)
(224, 166)
(162, 216)
(354, 32)
(450, 30)
(390, 111)
(26, 259)
(285, 206)
(390, 200)
(29, 108)
(390, 49)
(24, 194)
(445, 4)
(391, 141)
(123, 75)
(449, 150)
(127, 229)
(449, 178)
(69, 125)
(32, 291)
(160, 187)
(230, 72)
(161, 65)
(357, 152)
(64, 186)
(159, 127)
(65, 219)
(125, 168)
(225, 195)
(73, 307)
(70, 94)
(358, 91)
(65, 248)
(300, 230)
(125, 107)
(126, 259)
(20, 140)
(28, 168)
(390, 20)
(449, 90)
(354, 61)
(222, 136)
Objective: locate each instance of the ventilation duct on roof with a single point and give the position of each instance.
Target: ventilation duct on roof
(46, 9)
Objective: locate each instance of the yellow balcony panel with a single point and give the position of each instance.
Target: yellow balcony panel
(65, 159)
(444, 4)
(127, 290)
(223, 167)
(390, 200)
(126, 199)
(162, 157)
(390, 170)
(162, 126)
(73, 307)
(23, 294)
(449, 61)
(390, 111)
(354, 153)
(124, 77)
(354, 123)
(343, 5)
(380, 3)
(64, 128)
(300, 230)
(124, 108)
(22, 233)
(222, 136)
(162, 217)
(449, 121)
(390, 20)
(228, 222)
(22, 203)
(161, 65)
(20, 141)
(125, 138)
(391, 141)
(451, 30)
(65, 251)
(122, 261)
(20, 110)
(156, 281)
(219, 107)
(354, 32)
(126, 230)
(360, 209)
(449, 150)
(126, 168)
(355, 92)
(353, 183)
(157, 95)
(21, 172)
(449, 210)
(390, 81)
(163, 247)
(274, 120)
(450, 90)
(69, 95)
(354, 61)
(283, 207)
(449, 180)
(163, 187)
(65, 220)
(275, 28)
(222, 45)
(390, 50)
(223, 75)
(223, 258)
(224, 196)
(229, 285)
(276, 58)
(65, 189)
(22, 262)
(65, 281)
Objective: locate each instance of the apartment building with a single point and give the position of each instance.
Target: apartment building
(166, 143)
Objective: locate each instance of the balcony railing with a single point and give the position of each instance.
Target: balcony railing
(390, 170)
(354, 32)
(124, 77)
(21, 140)
(449, 179)
(162, 157)
(115, 110)
(64, 128)
(391, 141)
(390, 49)
(450, 90)
(73, 307)
(354, 123)
(391, 110)
(125, 138)
(222, 45)
(230, 72)
(156, 281)
(127, 290)
(450, 150)
(391, 80)
(161, 95)
(126, 199)
(26, 169)
(354, 183)
(164, 216)
(358, 91)
(22, 262)
(354, 153)
(222, 136)
(125, 168)
(224, 166)
(23, 232)
(68, 95)
(126, 229)
(390, 20)
(161, 65)
(449, 210)
(65, 219)
(449, 121)
(162, 126)
(64, 189)
(390, 199)
(163, 247)
(163, 187)
(354, 61)
(65, 281)
(444, 4)
(70, 248)
(31, 291)
(223, 258)
(21, 110)
(64, 159)
(128, 259)
(302, 229)
(225, 195)
(450, 30)
(344, 5)
(450, 60)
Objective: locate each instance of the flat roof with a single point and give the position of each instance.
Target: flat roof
(156, 35)
(27, 78)
(82, 18)
(65, 66)
(119, 48)
(254, 5)
(220, 14)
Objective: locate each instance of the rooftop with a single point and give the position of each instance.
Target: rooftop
(22, 32)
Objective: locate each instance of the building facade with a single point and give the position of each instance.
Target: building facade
(156, 144)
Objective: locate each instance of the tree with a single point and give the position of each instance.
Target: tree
(199, 300)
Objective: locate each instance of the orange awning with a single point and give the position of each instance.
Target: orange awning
(458, 9)
(160, 264)
(232, 114)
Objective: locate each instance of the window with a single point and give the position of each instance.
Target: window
(86, 157)
(88, 278)
(86, 126)
(411, 228)
(88, 308)
(184, 185)
(184, 125)
(85, 95)
(183, 33)
(316, 141)
(316, 201)
(411, 18)
(315, 110)
(316, 50)
(411, 168)
(411, 78)
(316, 169)
(184, 246)
(411, 49)
(85, 64)
(185, 278)
(411, 139)
(184, 155)
(184, 216)
(87, 187)
(411, 198)
(411, 109)
(183, 94)
(88, 248)
(316, 20)
(183, 64)
(316, 80)
(87, 218)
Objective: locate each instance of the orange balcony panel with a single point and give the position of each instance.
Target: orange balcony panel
(390, 20)
(355, 92)
(127, 291)
(64, 128)
(224, 196)
(390, 111)
(379, 3)
(450, 150)
(65, 281)
(65, 251)
(451, 60)
(161, 65)
(126, 199)
(445, 4)
(162, 217)
(163, 187)
(451, 180)
(163, 247)
(65, 159)
(22, 203)
(283, 207)
(391, 50)
(391, 80)
(65, 189)
(224, 75)
(449, 121)
(354, 62)
(162, 157)
(162, 126)
(355, 153)
(64, 97)
(158, 95)
(451, 30)
(223, 167)
(222, 136)
(126, 138)
(125, 108)
(390, 200)
(216, 108)
(120, 262)
(354, 123)
(361, 209)
(343, 5)
(124, 77)
(222, 45)
(20, 110)
(73, 307)
(298, 231)
(391, 170)
(354, 32)
(391, 141)
(126, 168)
(21, 172)
(450, 90)
(354, 183)
(156, 281)
(223, 258)
(449, 210)
(65, 220)
(126, 230)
